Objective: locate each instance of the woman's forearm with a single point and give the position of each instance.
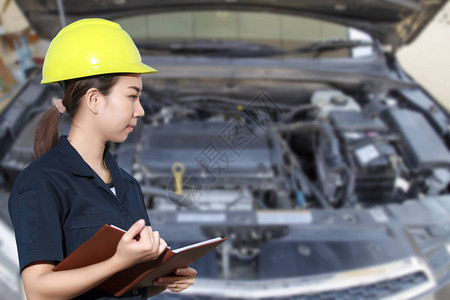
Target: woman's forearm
(41, 282)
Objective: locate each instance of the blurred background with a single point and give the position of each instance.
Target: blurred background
(427, 59)
(22, 51)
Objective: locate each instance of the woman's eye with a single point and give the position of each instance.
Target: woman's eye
(134, 97)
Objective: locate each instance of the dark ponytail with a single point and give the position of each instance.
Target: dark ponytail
(46, 134)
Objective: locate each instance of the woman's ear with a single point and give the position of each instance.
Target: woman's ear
(92, 99)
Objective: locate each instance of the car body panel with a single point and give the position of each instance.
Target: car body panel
(392, 22)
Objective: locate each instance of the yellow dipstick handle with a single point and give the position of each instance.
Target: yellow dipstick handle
(178, 171)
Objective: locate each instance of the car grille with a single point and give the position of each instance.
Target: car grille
(377, 290)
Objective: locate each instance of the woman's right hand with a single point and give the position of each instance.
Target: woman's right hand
(131, 251)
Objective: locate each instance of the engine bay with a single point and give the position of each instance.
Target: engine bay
(333, 150)
(286, 148)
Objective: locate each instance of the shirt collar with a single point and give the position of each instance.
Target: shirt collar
(75, 163)
(72, 159)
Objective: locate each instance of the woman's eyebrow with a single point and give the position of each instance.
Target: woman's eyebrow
(135, 88)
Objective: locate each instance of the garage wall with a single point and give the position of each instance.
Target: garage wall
(427, 59)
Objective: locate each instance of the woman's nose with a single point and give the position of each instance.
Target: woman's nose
(138, 110)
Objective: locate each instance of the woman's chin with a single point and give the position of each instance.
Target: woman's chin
(119, 139)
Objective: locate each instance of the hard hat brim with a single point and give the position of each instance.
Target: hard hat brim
(138, 69)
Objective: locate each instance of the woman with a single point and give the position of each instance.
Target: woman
(75, 186)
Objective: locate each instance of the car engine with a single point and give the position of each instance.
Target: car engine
(332, 151)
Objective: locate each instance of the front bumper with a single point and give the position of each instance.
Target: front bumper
(396, 251)
(405, 279)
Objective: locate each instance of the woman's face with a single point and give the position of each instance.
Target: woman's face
(121, 108)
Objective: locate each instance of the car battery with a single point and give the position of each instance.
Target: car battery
(366, 144)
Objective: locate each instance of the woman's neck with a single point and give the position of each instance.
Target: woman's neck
(90, 147)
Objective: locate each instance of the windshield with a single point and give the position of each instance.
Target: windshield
(258, 33)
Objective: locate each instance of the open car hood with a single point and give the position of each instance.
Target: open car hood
(392, 22)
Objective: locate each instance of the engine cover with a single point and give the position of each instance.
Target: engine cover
(218, 153)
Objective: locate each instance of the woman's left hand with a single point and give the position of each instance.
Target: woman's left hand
(184, 278)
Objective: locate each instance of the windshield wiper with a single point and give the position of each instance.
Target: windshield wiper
(212, 47)
(330, 45)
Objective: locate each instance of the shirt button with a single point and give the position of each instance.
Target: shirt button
(124, 212)
(135, 292)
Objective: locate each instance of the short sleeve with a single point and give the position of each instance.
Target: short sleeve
(36, 219)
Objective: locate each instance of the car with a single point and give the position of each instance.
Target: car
(288, 127)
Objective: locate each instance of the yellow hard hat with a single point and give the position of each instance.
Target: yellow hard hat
(91, 47)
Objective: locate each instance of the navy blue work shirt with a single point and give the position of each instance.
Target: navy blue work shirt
(58, 202)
